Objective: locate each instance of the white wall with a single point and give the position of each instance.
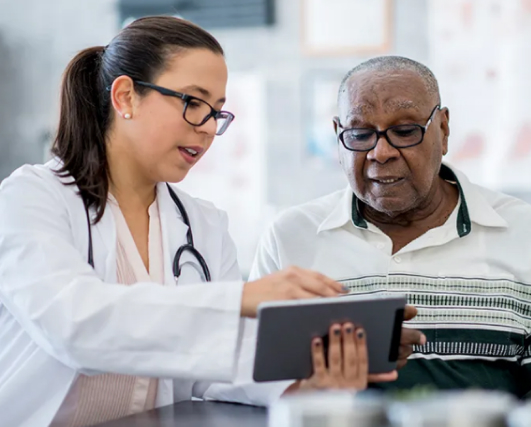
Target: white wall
(37, 39)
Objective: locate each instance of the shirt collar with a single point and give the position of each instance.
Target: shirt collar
(474, 208)
(480, 210)
(341, 212)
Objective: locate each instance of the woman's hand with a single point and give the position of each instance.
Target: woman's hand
(348, 366)
(347, 361)
(289, 284)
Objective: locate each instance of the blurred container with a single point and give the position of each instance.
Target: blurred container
(520, 417)
(454, 409)
(329, 409)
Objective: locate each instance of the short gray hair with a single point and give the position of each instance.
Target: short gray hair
(395, 63)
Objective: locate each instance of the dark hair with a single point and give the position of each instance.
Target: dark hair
(140, 51)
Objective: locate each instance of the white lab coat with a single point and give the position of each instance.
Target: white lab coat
(60, 318)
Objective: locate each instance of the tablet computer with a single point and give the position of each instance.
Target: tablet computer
(286, 330)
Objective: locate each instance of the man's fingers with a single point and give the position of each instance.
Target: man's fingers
(409, 337)
(404, 351)
(412, 337)
(410, 312)
(400, 363)
(383, 378)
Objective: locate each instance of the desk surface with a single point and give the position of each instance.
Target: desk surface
(196, 414)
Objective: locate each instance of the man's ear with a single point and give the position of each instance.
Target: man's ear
(445, 129)
(336, 125)
(335, 122)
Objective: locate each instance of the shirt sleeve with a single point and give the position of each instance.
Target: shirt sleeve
(266, 260)
(190, 331)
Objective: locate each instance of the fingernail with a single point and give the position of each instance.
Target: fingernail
(337, 332)
(348, 330)
(423, 339)
(317, 343)
(345, 289)
(360, 334)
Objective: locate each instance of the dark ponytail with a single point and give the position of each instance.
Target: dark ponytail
(140, 51)
(80, 140)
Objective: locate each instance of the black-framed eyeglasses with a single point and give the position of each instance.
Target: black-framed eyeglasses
(196, 111)
(399, 136)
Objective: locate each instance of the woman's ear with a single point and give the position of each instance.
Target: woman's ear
(123, 97)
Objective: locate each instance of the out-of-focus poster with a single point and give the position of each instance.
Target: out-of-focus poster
(232, 173)
(339, 27)
(319, 106)
(480, 52)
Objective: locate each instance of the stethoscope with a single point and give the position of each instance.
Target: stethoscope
(188, 247)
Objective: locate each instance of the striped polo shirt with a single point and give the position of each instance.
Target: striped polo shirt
(470, 279)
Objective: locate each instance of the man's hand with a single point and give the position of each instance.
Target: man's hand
(409, 338)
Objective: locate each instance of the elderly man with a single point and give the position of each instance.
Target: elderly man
(408, 223)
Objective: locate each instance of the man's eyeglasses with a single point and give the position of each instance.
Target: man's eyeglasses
(196, 111)
(399, 136)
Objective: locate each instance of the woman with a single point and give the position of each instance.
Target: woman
(77, 347)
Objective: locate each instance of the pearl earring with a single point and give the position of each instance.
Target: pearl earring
(127, 116)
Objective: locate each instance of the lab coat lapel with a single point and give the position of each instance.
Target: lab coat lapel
(173, 236)
(104, 245)
(103, 233)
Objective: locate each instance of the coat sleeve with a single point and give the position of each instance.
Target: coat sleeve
(189, 331)
(244, 389)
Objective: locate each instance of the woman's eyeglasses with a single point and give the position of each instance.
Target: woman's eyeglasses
(196, 111)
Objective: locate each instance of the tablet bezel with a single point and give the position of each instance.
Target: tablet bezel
(286, 329)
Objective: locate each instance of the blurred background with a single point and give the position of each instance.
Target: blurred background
(286, 59)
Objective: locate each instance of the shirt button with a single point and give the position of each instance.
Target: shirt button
(398, 260)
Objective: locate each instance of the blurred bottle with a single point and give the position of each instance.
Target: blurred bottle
(453, 409)
(329, 409)
(520, 417)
